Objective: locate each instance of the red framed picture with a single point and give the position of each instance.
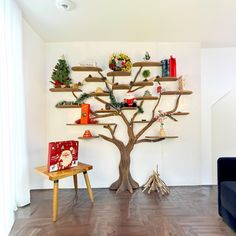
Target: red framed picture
(62, 155)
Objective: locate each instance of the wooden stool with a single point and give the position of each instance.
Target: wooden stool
(55, 176)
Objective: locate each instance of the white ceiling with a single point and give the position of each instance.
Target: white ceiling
(211, 22)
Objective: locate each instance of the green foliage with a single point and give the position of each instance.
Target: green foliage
(140, 109)
(61, 73)
(114, 103)
(83, 97)
(146, 73)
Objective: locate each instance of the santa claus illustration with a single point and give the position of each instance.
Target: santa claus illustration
(65, 159)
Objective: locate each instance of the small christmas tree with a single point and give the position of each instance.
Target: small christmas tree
(60, 75)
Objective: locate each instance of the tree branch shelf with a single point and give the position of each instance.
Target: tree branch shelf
(157, 137)
(93, 79)
(165, 79)
(86, 68)
(65, 90)
(99, 94)
(105, 111)
(68, 106)
(185, 92)
(118, 73)
(103, 124)
(127, 86)
(180, 113)
(147, 64)
(89, 137)
(147, 98)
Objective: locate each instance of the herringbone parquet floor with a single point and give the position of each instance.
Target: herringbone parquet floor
(190, 211)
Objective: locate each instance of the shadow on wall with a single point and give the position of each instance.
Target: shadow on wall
(223, 115)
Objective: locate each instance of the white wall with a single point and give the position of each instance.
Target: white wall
(178, 159)
(218, 78)
(35, 87)
(223, 129)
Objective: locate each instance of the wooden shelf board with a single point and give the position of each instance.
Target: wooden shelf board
(74, 124)
(127, 86)
(180, 113)
(165, 79)
(147, 98)
(65, 90)
(142, 83)
(146, 64)
(129, 108)
(105, 111)
(68, 106)
(86, 68)
(141, 121)
(118, 73)
(94, 79)
(185, 92)
(156, 137)
(99, 94)
(89, 137)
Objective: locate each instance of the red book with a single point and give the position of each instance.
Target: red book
(172, 67)
(62, 155)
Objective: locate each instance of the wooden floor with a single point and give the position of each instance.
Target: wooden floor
(186, 211)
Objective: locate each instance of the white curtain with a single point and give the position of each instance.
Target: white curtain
(14, 181)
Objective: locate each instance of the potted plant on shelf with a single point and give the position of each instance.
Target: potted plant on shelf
(146, 74)
(60, 75)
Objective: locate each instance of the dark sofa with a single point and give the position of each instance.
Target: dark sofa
(226, 167)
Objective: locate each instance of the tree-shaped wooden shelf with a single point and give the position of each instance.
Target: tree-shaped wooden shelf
(92, 137)
(65, 90)
(147, 64)
(165, 79)
(184, 92)
(118, 73)
(86, 68)
(103, 124)
(147, 98)
(68, 106)
(135, 134)
(159, 137)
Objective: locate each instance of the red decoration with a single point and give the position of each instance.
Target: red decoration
(87, 134)
(85, 111)
(62, 155)
(172, 66)
(159, 88)
(130, 100)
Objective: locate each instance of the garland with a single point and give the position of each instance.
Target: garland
(83, 97)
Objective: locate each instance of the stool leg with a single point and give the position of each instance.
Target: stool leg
(55, 200)
(90, 192)
(75, 183)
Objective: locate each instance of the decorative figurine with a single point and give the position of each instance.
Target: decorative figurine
(146, 57)
(130, 100)
(99, 90)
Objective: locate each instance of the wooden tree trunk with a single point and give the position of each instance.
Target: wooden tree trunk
(125, 181)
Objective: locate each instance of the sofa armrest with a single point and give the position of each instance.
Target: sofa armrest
(226, 171)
